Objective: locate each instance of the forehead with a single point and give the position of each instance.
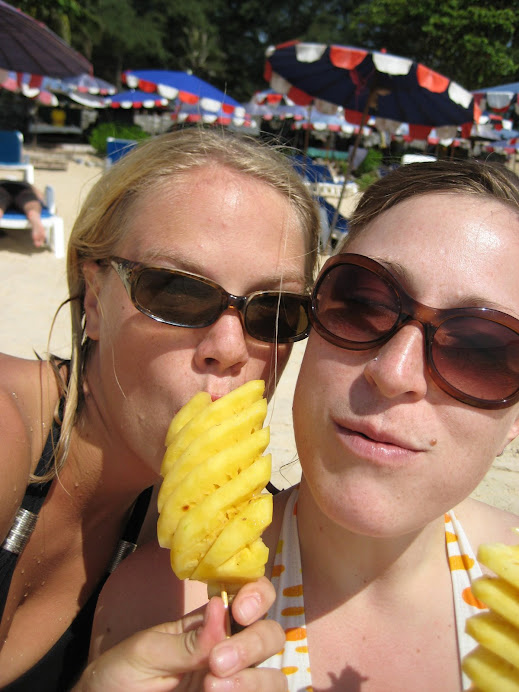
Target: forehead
(451, 245)
(211, 219)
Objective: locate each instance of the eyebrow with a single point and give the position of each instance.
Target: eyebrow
(473, 300)
(272, 282)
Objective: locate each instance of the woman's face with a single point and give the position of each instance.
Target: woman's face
(213, 222)
(383, 449)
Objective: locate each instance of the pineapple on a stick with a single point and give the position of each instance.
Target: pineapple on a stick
(494, 665)
(212, 509)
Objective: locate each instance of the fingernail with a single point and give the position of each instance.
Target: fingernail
(248, 609)
(225, 659)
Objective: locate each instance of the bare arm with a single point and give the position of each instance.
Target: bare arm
(28, 395)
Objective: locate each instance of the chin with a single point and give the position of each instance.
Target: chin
(364, 509)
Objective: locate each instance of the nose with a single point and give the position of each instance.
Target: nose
(399, 368)
(223, 347)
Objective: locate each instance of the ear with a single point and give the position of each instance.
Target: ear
(91, 300)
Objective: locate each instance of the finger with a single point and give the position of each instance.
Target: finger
(249, 680)
(247, 648)
(253, 601)
(190, 651)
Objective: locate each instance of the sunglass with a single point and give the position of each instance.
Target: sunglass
(472, 354)
(182, 299)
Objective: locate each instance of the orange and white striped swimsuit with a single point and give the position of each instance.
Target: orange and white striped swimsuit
(289, 608)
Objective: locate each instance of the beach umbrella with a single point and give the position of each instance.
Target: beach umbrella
(323, 122)
(27, 45)
(84, 89)
(369, 83)
(136, 99)
(20, 83)
(269, 105)
(184, 88)
(497, 98)
(190, 113)
(81, 84)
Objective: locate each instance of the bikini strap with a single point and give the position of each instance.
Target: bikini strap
(128, 542)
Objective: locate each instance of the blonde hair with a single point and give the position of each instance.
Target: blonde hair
(101, 223)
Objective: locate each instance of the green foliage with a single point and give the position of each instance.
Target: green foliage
(472, 43)
(372, 161)
(365, 180)
(224, 41)
(99, 134)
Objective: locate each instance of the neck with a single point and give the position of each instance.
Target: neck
(101, 476)
(350, 563)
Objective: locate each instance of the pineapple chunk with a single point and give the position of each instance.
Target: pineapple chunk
(214, 414)
(199, 528)
(494, 665)
(246, 565)
(193, 407)
(217, 439)
(501, 559)
(211, 511)
(204, 479)
(239, 533)
(499, 596)
(489, 672)
(495, 634)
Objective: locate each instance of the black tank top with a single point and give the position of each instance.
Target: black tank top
(62, 665)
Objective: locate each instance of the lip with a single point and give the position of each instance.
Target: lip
(377, 446)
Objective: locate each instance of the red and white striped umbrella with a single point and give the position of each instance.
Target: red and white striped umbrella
(29, 86)
(184, 88)
(136, 99)
(368, 83)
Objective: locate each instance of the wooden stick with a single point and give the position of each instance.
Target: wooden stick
(225, 599)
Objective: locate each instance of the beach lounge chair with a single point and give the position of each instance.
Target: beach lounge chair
(317, 175)
(12, 157)
(330, 239)
(54, 227)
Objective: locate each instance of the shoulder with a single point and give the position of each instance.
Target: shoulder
(28, 395)
(484, 523)
(142, 592)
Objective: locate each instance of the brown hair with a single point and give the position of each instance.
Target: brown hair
(472, 177)
(101, 225)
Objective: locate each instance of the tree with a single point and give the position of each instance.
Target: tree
(472, 43)
(224, 41)
(71, 20)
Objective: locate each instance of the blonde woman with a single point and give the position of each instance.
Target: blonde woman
(213, 222)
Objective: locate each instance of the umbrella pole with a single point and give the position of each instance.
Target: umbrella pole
(349, 167)
(307, 131)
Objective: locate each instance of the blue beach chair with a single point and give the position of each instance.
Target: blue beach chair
(54, 226)
(12, 156)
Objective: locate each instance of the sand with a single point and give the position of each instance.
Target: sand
(33, 284)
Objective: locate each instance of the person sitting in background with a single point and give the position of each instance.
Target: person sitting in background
(408, 390)
(24, 197)
(213, 221)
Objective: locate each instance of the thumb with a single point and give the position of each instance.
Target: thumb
(198, 640)
(190, 650)
(160, 658)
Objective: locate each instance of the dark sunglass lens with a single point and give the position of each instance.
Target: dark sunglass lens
(356, 305)
(478, 357)
(177, 299)
(276, 316)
